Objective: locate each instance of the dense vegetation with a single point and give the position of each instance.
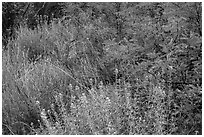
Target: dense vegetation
(102, 68)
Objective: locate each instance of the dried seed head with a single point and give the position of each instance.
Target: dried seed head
(116, 71)
(100, 84)
(43, 114)
(83, 98)
(48, 111)
(70, 86)
(91, 80)
(60, 95)
(37, 102)
(77, 88)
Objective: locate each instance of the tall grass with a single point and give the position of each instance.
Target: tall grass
(49, 88)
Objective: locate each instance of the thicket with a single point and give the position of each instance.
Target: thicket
(102, 68)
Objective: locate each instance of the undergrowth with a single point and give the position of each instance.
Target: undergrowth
(51, 86)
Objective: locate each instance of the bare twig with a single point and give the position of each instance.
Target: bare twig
(8, 129)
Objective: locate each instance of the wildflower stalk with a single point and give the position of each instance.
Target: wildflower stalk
(87, 113)
(47, 123)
